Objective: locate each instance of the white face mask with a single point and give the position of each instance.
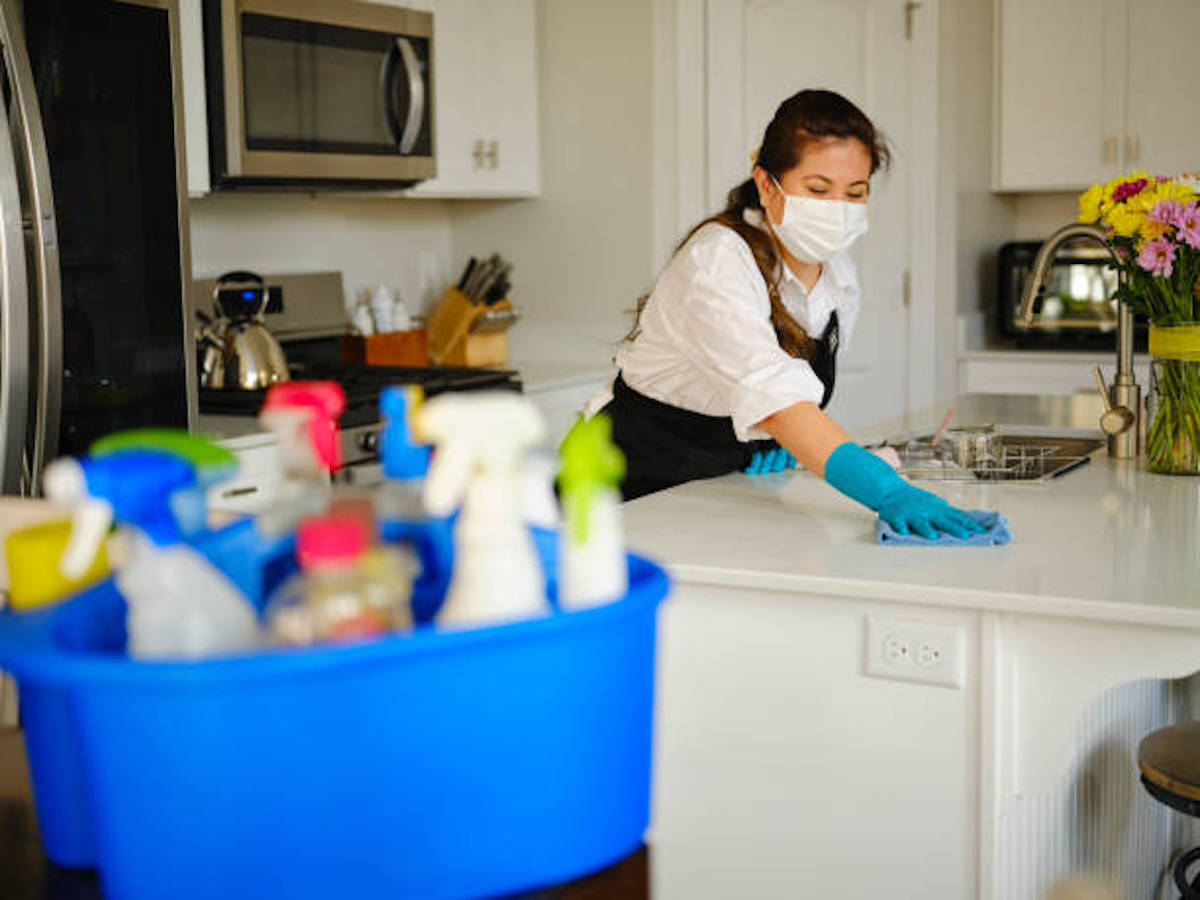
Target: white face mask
(813, 230)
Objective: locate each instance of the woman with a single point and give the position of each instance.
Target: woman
(736, 347)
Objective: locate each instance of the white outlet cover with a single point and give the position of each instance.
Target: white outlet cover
(936, 653)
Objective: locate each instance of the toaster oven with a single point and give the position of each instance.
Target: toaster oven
(1076, 310)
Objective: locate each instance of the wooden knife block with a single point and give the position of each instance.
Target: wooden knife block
(449, 329)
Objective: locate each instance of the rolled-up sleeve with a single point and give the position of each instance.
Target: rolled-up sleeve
(723, 327)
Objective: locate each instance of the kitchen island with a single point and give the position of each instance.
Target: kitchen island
(990, 750)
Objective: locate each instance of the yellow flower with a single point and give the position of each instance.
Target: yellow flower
(1151, 230)
(1089, 204)
(1124, 221)
(1173, 190)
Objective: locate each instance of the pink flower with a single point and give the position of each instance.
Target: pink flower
(1189, 225)
(1158, 257)
(1167, 212)
(1128, 189)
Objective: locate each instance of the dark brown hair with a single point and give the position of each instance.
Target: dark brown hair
(800, 121)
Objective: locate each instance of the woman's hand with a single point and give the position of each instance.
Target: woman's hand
(823, 448)
(872, 482)
(909, 509)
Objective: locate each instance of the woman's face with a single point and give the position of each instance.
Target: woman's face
(830, 169)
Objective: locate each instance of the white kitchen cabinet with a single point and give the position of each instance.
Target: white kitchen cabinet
(1081, 92)
(485, 90)
(1163, 133)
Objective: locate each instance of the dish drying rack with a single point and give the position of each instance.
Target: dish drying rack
(922, 460)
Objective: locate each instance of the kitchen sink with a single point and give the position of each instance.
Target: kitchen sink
(1012, 457)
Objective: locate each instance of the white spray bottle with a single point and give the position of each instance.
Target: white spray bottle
(480, 441)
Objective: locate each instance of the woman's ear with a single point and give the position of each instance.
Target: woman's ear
(762, 180)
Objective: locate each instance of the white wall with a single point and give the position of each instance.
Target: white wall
(973, 222)
(582, 252)
(1039, 215)
(399, 242)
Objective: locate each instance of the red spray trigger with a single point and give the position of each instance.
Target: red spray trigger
(327, 400)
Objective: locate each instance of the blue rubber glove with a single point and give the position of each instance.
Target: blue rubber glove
(864, 477)
(777, 460)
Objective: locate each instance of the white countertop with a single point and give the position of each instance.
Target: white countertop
(1108, 541)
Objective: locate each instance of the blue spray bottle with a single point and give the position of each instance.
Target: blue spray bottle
(405, 461)
(180, 605)
(400, 500)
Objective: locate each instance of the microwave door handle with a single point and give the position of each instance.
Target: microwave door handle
(14, 320)
(416, 95)
(387, 101)
(48, 403)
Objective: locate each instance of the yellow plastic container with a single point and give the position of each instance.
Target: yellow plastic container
(33, 574)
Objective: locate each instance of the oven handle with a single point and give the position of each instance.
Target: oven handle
(402, 52)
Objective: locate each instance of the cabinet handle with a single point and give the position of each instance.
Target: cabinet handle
(1133, 148)
(493, 155)
(478, 154)
(1110, 151)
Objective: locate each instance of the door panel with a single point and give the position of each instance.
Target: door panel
(759, 53)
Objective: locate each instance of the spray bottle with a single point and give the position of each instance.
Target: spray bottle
(481, 440)
(180, 605)
(591, 549)
(211, 463)
(405, 462)
(303, 416)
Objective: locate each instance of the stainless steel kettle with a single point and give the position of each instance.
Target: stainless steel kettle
(238, 351)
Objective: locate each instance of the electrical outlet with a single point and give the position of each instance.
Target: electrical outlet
(911, 650)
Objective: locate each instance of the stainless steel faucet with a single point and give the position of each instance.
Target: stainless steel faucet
(1123, 400)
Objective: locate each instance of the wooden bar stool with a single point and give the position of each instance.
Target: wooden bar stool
(1169, 760)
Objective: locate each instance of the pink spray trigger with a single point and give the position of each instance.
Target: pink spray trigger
(327, 400)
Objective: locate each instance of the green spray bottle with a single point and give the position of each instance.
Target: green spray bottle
(592, 566)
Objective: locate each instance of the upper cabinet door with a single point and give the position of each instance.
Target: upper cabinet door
(1164, 117)
(508, 123)
(485, 90)
(1058, 117)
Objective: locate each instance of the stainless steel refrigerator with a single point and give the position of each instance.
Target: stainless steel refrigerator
(94, 254)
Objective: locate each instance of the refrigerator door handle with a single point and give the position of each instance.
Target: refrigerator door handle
(14, 321)
(44, 238)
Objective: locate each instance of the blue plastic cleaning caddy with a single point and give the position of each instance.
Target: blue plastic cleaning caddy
(438, 764)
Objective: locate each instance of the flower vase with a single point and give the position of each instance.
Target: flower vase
(1173, 438)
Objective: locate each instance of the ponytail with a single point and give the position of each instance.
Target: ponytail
(791, 335)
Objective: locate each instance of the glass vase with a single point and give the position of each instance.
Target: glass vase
(1173, 438)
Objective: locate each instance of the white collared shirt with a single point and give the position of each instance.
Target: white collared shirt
(706, 342)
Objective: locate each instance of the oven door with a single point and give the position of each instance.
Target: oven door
(318, 91)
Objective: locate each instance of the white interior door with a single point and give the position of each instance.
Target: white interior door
(759, 53)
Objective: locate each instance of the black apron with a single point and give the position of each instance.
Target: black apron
(665, 445)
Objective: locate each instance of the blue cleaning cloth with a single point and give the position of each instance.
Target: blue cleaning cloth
(995, 524)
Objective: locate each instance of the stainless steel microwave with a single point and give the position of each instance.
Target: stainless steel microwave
(318, 92)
